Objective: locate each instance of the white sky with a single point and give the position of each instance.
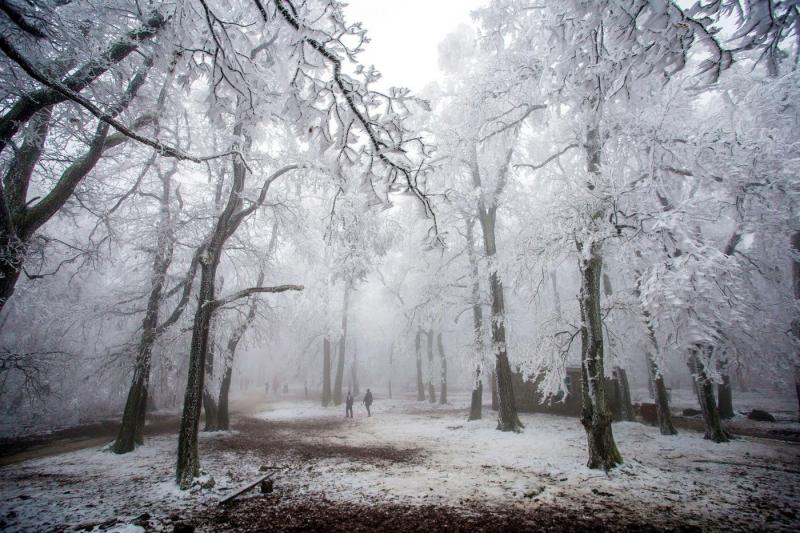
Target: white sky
(405, 35)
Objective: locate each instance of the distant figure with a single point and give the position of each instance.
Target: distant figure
(368, 401)
(266, 387)
(348, 406)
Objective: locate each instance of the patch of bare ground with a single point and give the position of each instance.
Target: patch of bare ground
(270, 513)
(16, 450)
(289, 439)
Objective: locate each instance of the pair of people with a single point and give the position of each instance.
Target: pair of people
(348, 404)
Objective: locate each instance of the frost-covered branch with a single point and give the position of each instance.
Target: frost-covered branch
(244, 293)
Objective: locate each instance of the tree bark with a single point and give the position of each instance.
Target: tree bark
(624, 397)
(337, 388)
(443, 370)
(133, 418)
(796, 321)
(391, 369)
(224, 417)
(188, 463)
(431, 388)
(354, 370)
(476, 405)
(326, 372)
(418, 352)
(495, 397)
(507, 419)
(596, 419)
(661, 399)
(210, 409)
(725, 397)
(655, 378)
(705, 395)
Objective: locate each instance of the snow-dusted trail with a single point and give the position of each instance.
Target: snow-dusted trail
(413, 462)
(94, 435)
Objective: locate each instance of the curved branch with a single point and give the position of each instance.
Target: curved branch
(244, 293)
(548, 160)
(64, 91)
(18, 18)
(237, 218)
(30, 103)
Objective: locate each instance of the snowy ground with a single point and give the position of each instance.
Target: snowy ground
(417, 454)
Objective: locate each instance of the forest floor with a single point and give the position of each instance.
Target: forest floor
(411, 467)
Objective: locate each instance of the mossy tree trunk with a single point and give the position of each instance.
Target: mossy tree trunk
(595, 417)
(507, 417)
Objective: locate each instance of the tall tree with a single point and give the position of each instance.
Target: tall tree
(233, 214)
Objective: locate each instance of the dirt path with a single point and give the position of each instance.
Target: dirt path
(271, 514)
(14, 451)
(411, 467)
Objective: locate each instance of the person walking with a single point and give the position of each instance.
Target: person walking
(368, 401)
(348, 406)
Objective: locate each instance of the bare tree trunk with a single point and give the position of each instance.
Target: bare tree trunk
(209, 402)
(130, 432)
(796, 321)
(133, 418)
(354, 370)
(476, 405)
(725, 397)
(705, 396)
(624, 395)
(210, 410)
(391, 370)
(188, 466)
(431, 388)
(337, 388)
(507, 419)
(495, 396)
(655, 378)
(326, 372)
(188, 463)
(661, 399)
(596, 419)
(418, 352)
(443, 369)
(797, 389)
(223, 414)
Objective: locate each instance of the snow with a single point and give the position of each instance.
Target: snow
(449, 461)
